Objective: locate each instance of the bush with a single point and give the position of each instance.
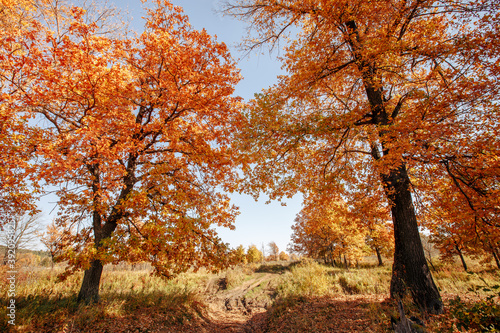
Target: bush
(306, 279)
(349, 287)
(483, 315)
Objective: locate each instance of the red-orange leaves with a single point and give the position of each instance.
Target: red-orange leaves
(135, 134)
(18, 32)
(376, 92)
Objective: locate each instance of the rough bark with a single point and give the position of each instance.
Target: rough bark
(410, 272)
(89, 291)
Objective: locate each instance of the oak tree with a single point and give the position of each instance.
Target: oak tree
(134, 133)
(374, 92)
(328, 231)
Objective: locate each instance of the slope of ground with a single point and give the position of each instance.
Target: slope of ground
(307, 297)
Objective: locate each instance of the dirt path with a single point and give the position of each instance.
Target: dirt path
(242, 308)
(251, 295)
(238, 309)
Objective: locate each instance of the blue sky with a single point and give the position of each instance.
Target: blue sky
(258, 223)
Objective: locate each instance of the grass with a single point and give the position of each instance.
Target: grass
(312, 288)
(306, 279)
(130, 300)
(235, 276)
(306, 297)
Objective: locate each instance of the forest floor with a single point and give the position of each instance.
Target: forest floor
(248, 307)
(277, 297)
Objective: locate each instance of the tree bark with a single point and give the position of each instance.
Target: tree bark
(410, 272)
(379, 257)
(89, 291)
(461, 257)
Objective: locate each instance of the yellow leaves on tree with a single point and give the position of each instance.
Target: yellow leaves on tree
(330, 230)
(254, 255)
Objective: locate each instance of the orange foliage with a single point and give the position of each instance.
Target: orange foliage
(377, 94)
(332, 230)
(326, 231)
(133, 131)
(461, 219)
(435, 73)
(18, 28)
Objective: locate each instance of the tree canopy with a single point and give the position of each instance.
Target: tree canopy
(134, 133)
(377, 95)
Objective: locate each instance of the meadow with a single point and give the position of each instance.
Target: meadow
(303, 296)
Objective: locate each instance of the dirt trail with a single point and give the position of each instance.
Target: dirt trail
(241, 308)
(251, 295)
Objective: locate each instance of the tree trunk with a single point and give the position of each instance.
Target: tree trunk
(495, 255)
(410, 271)
(379, 257)
(461, 257)
(89, 291)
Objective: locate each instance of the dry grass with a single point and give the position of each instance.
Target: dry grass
(310, 294)
(130, 301)
(308, 297)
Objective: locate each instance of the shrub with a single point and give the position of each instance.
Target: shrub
(306, 279)
(483, 315)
